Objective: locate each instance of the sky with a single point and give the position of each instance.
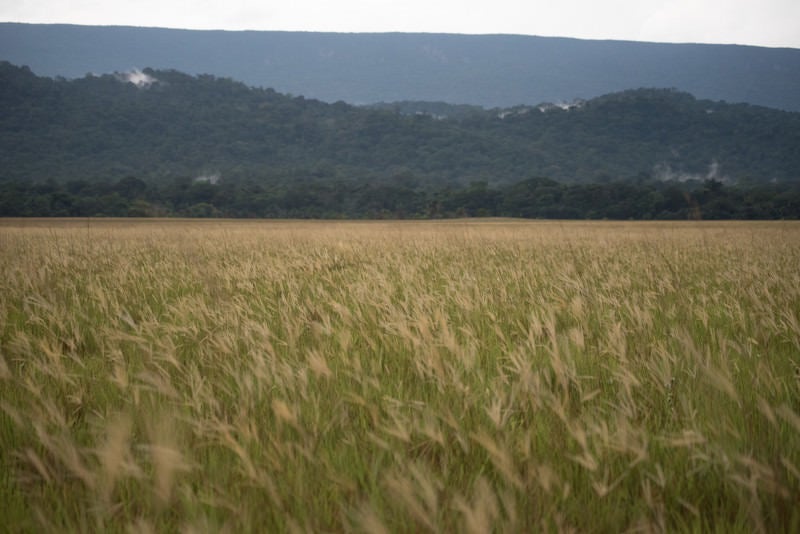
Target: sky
(773, 23)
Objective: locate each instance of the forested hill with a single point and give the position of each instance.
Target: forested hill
(487, 70)
(175, 125)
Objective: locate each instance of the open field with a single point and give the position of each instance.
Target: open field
(452, 376)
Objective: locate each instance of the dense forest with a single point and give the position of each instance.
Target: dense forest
(166, 143)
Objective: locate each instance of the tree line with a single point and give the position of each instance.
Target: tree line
(531, 198)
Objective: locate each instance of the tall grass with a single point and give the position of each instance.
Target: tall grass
(401, 377)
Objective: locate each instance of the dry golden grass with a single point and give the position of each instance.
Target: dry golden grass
(471, 376)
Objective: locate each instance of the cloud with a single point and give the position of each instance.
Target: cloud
(137, 78)
(665, 173)
(209, 178)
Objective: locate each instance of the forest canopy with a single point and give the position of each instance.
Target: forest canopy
(165, 143)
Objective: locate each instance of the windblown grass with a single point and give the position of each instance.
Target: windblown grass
(403, 377)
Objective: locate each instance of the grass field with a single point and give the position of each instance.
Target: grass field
(454, 376)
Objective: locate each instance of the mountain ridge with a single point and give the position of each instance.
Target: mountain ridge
(359, 68)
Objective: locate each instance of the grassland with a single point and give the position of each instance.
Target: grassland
(454, 376)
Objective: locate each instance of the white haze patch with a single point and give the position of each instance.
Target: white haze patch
(543, 108)
(212, 178)
(565, 106)
(522, 110)
(665, 173)
(137, 78)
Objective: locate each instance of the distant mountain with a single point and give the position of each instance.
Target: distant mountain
(162, 125)
(485, 70)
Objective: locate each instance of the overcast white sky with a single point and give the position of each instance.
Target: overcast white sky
(756, 22)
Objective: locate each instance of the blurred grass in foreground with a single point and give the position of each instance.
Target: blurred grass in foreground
(412, 376)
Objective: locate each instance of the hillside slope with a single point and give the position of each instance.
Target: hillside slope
(102, 128)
